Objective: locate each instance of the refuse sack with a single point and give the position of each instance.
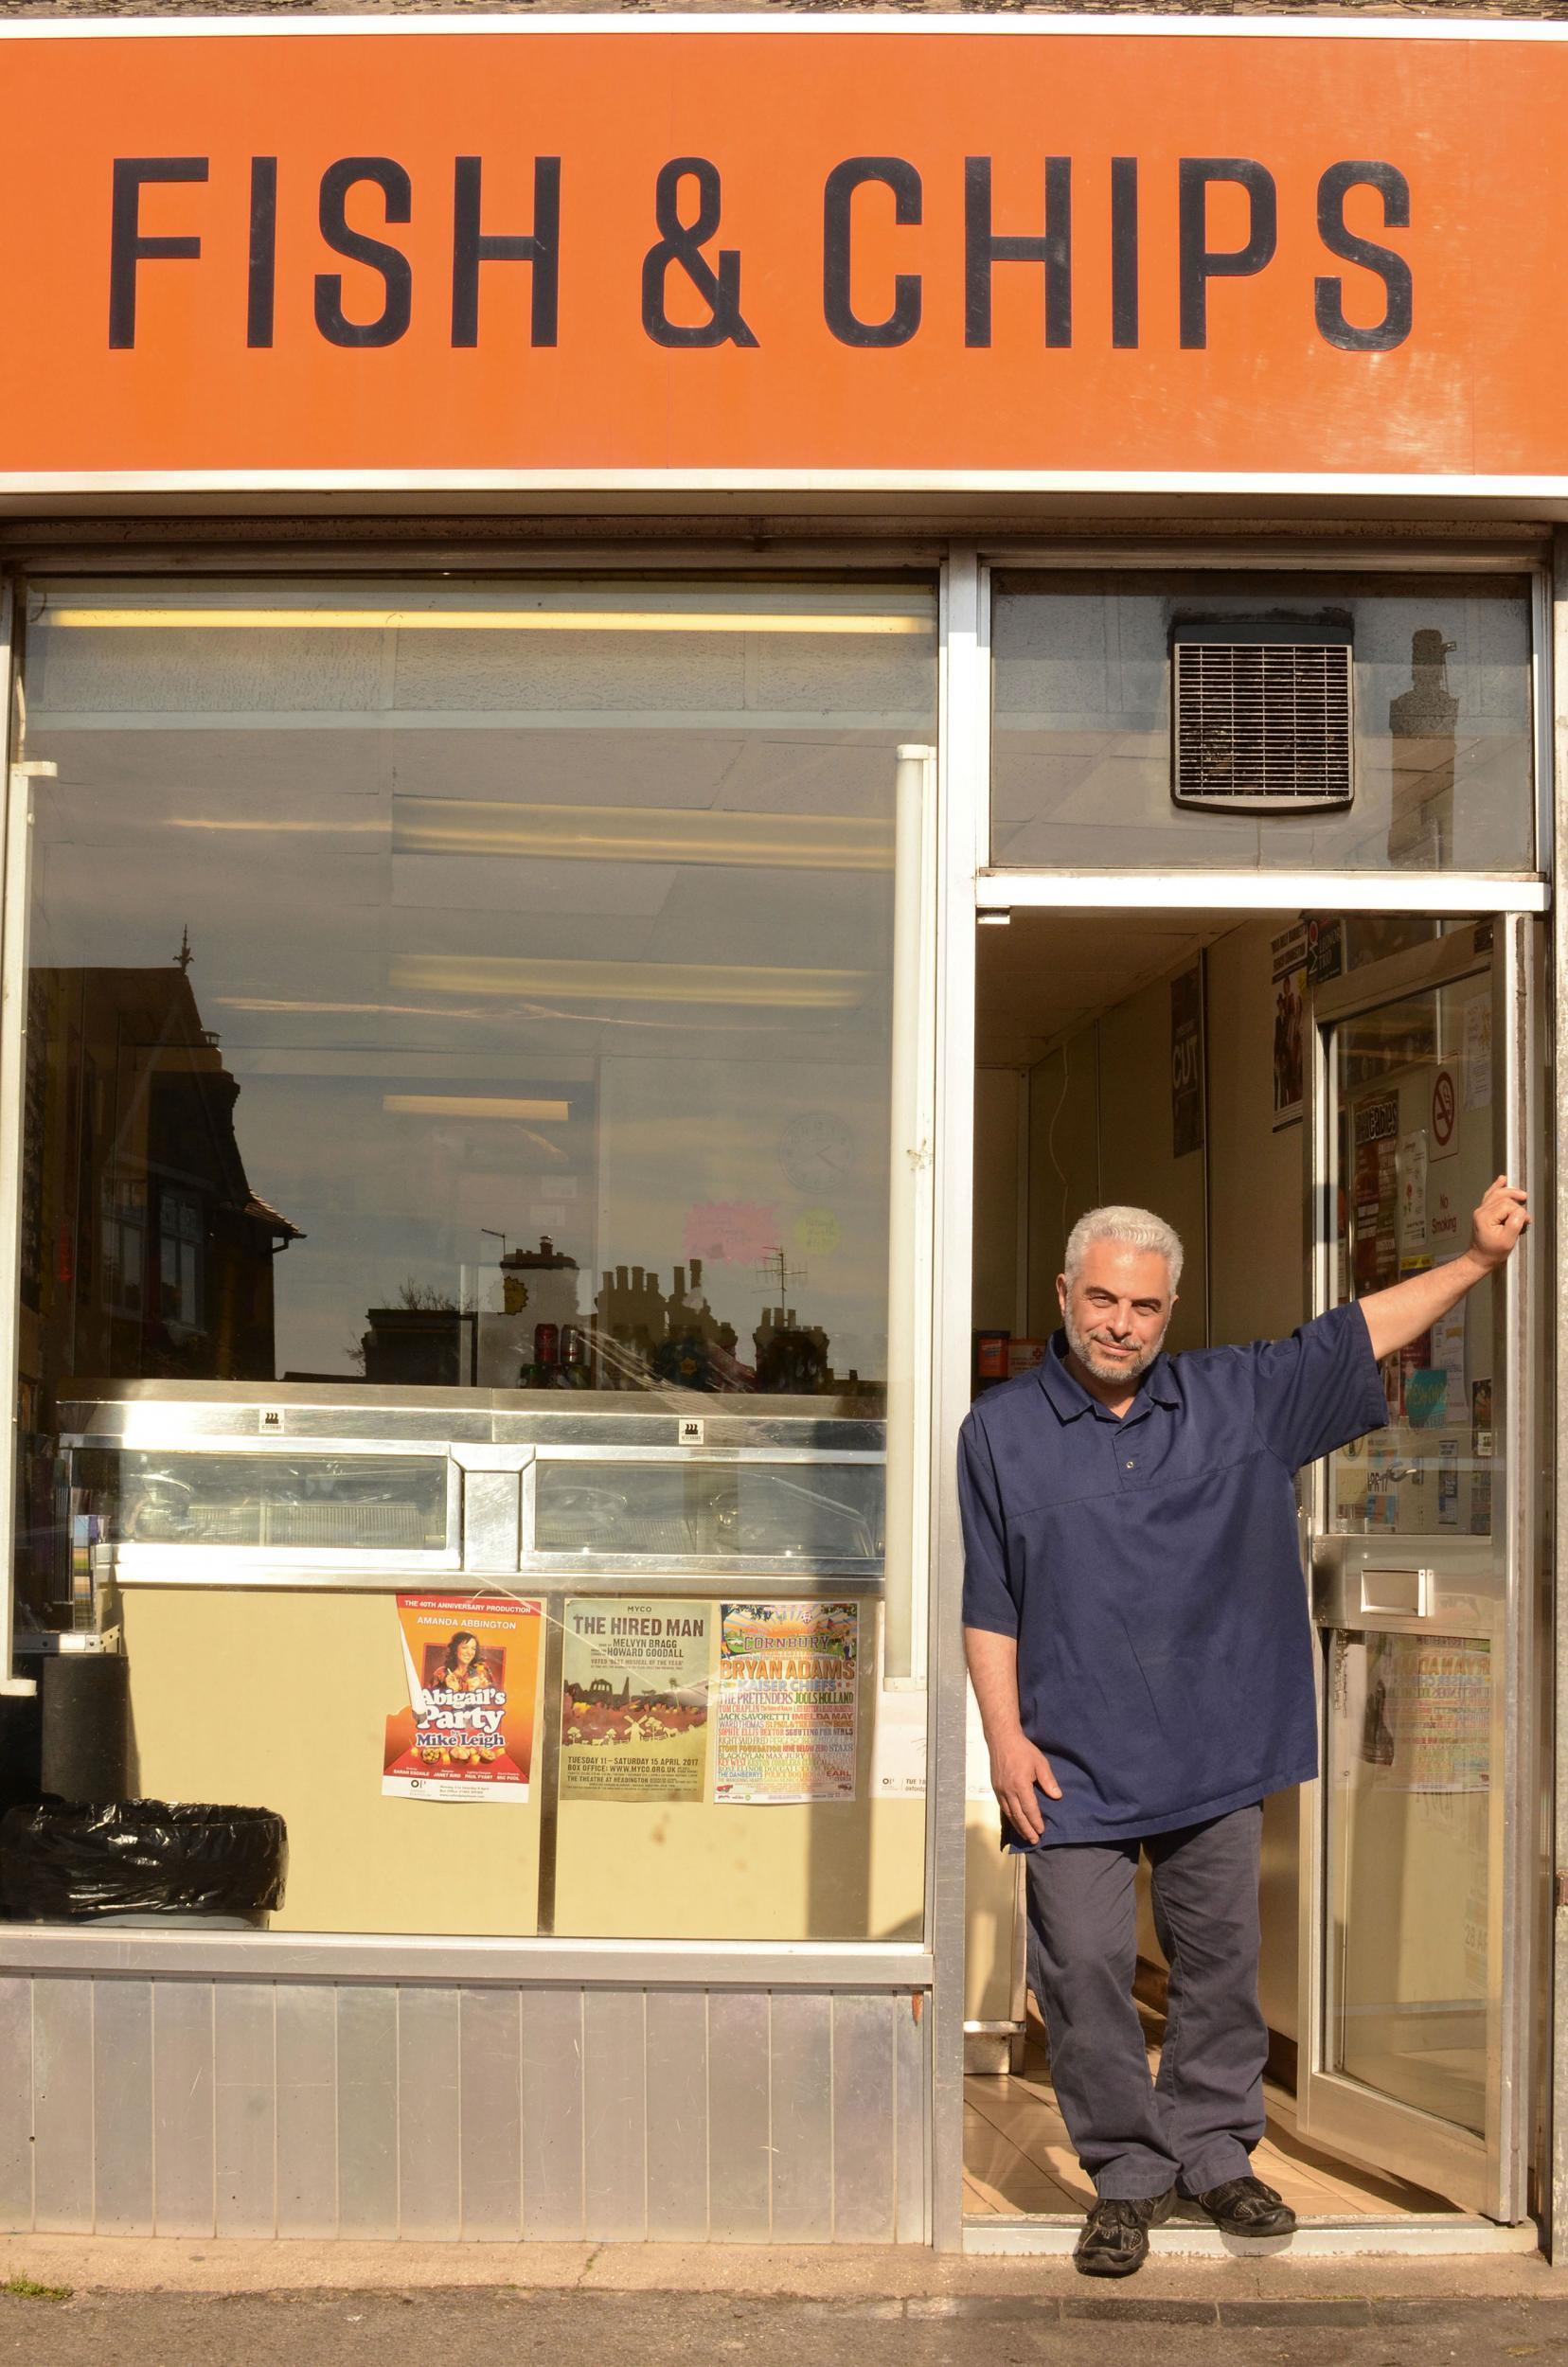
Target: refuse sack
(63, 1861)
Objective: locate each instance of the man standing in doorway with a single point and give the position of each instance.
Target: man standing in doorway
(1139, 1643)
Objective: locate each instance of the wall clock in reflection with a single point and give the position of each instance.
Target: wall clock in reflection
(816, 1151)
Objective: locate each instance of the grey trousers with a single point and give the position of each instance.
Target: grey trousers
(1196, 2124)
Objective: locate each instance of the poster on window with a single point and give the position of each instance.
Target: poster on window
(785, 1701)
(1289, 972)
(1427, 1720)
(635, 1699)
(472, 1667)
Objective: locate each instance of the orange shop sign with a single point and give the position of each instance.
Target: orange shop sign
(902, 250)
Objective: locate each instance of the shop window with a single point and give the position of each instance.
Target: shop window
(461, 1080)
(1093, 761)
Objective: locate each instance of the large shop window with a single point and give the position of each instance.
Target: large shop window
(468, 1031)
(1340, 723)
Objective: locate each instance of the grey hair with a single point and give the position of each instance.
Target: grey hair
(1137, 1228)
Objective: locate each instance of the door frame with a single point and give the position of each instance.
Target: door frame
(1483, 2173)
(967, 887)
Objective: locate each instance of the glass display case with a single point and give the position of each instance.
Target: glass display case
(360, 1503)
(811, 1512)
(184, 1491)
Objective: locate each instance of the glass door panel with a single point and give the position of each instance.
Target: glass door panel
(1410, 1859)
(1412, 1964)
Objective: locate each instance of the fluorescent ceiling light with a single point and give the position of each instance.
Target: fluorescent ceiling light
(271, 829)
(632, 982)
(488, 620)
(442, 826)
(473, 1106)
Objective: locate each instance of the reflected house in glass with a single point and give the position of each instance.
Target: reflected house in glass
(160, 1259)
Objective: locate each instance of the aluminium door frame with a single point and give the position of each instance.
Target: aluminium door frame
(1487, 2171)
(968, 883)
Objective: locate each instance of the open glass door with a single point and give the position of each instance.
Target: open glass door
(1415, 1918)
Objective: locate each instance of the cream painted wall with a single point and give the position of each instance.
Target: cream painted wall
(1137, 1160)
(1256, 1179)
(280, 1700)
(993, 1305)
(1257, 1183)
(1063, 1166)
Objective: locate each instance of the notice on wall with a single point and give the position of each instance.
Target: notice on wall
(1443, 1118)
(1288, 970)
(784, 1702)
(899, 1743)
(635, 1699)
(1447, 1354)
(472, 1667)
(1448, 1482)
(1478, 1053)
(1375, 1191)
(1413, 1192)
(1187, 1063)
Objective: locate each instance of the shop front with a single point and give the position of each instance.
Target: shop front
(670, 691)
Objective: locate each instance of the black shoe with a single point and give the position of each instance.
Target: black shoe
(1115, 2234)
(1244, 2206)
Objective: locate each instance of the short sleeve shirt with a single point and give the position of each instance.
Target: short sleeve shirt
(1150, 1567)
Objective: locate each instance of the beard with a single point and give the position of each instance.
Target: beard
(1091, 1350)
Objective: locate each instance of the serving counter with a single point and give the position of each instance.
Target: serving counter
(251, 1555)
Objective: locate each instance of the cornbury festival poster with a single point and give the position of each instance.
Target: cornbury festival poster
(634, 1701)
(784, 1704)
(471, 1665)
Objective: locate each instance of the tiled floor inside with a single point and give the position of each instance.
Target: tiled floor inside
(1017, 2156)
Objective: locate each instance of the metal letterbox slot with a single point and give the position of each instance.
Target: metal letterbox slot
(1398, 1593)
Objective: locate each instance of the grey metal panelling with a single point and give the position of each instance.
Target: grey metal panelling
(615, 2115)
(63, 2105)
(676, 2088)
(306, 2109)
(910, 2081)
(429, 2134)
(864, 2167)
(802, 2117)
(122, 2107)
(490, 2114)
(740, 2197)
(184, 2175)
(193, 2107)
(16, 2103)
(367, 2109)
(244, 2107)
(552, 2113)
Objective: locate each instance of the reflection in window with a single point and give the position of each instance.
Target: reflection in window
(473, 986)
(1081, 736)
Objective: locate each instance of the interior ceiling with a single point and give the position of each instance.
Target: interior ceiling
(1046, 974)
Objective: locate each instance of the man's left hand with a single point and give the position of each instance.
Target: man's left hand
(1497, 1224)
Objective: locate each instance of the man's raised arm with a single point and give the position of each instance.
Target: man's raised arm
(1397, 1315)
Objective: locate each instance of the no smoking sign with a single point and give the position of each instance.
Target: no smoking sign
(1445, 1114)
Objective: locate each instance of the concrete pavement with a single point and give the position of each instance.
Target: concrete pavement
(651, 2326)
(169, 2303)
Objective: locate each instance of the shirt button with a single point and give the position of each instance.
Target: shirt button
(1130, 1467)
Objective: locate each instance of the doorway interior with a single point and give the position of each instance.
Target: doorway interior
(1175, 1059)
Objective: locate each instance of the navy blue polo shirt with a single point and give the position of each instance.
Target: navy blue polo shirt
(1151, 1569)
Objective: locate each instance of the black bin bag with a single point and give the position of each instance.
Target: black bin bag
(63, 1861)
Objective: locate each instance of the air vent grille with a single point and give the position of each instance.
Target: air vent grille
(1263, 723)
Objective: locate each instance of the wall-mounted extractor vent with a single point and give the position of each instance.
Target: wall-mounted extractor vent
(1262, 715)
